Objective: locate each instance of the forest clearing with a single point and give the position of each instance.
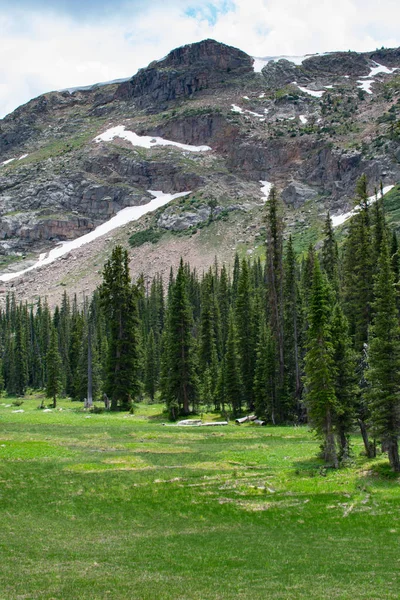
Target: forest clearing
(116, 505)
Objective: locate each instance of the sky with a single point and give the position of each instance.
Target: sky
(48, 45)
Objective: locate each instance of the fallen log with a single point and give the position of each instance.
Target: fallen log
(190, 422)
(259, 422)
(214, 423)
(252, 417)
(241, 420)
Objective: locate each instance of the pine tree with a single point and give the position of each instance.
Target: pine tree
(320, 368)
(223, 304)
(119, 300)
(151, 368)
(292, 335)
(274, 266)
(53, 368)
(245, 333)
(231, 377)
(20, 353)
(207, 326)
(266, 374)
(384, 360)
(235, 278)
(179, 379)
(330, 255)
(345, 386)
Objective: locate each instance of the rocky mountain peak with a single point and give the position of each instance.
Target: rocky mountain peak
(185, 71)
(207, 53)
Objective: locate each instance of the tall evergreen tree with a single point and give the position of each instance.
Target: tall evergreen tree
(266, 375)
(231, 376)
(20, 352)
(330, 254)
(274, 266)
(179, 380)
(384, 360)
(292, 335)
(245, 333)
(321, 398)
(151, 368)
(119, 299)
(53, 368)
(345, 383)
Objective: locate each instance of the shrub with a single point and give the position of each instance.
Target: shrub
(97, 410)
(147, 235)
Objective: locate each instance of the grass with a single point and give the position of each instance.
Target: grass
(102, 506)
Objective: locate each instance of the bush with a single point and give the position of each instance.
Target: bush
(147, 235)
(97, 410)
(17, 402)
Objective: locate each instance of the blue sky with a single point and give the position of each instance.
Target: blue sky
(54, 44)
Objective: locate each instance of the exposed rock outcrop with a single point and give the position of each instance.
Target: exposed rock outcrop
(184, 72)
(296, 194)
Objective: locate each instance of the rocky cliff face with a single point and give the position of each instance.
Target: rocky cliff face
(311, 128)
(185, 71)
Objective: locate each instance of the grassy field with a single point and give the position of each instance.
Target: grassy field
(117, 506)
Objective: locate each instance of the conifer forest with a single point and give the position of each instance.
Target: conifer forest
(293, 339)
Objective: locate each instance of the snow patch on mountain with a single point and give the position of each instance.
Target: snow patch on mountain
(365, 85)
(380, 69)
(6, 162)
(315, 94)
(144, 141)
(340, 219)
(124, 216)
(242, 111)
(266, 187)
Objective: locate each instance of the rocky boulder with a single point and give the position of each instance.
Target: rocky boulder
(336, 64)
(174, 219)
(296, 194)
(280, 73)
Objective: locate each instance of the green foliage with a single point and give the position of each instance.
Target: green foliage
(147, 235)
(266, 375)
(320, 367)
(53, 362)
(384, 360)
(119, 300)
(179, 379)
(231, 375)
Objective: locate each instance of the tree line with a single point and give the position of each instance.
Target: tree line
(295, 339)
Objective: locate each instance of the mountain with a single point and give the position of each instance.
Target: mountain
(72, 159)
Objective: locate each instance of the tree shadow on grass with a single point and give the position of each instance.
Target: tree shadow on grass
(312, 467)
(378, 474)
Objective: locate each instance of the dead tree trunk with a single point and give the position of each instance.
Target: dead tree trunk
(393, 452)
(370, 449)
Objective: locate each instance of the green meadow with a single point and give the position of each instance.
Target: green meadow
(118, 506)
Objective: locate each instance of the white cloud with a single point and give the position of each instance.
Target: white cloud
(47, 51)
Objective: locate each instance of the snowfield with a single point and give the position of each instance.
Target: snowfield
(313, 93)
(242, 111)
(365, 82)
(340, 219)
(266, 187)
(124, 216)
(365, 85)
(6, 162)
(144, 141)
